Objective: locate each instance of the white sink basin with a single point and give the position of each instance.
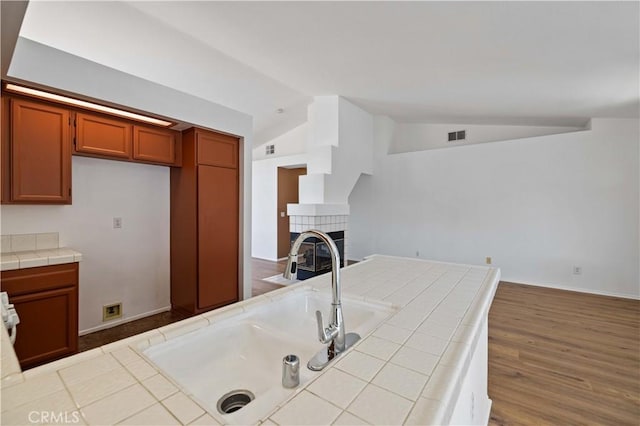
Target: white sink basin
(246, 351)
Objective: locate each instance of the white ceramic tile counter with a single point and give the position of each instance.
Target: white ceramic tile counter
(31, 250)
(31, 259)
(413, 369)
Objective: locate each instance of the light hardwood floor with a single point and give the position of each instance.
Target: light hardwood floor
(264, 269)
(563, 358)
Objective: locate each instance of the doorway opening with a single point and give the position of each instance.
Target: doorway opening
(287, 194)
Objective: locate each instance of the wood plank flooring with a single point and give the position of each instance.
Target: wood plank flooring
(558, 357)
(265, 269)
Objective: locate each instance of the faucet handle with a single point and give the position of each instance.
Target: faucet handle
(325, 334)
(320, 324)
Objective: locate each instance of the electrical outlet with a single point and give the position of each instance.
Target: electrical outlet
(417, 253)
(117, 222)
(577, 270)
(488, 260)
(113, 311)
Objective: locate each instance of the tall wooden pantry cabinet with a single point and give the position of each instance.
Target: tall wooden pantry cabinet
(205, 222)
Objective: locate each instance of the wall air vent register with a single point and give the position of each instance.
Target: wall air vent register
(460, 135)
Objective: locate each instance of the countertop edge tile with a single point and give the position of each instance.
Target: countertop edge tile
(36, 258)
(9, 262)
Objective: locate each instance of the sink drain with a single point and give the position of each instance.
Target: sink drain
(234, 400)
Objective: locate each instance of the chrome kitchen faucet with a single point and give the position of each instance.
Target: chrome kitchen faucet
(334, 333)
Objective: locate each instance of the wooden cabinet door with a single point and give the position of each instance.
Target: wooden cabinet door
(102, 136)
(215, 149)
(46, 300)
(40, 153)
(155, 145)
(217, 236)
(48, 328)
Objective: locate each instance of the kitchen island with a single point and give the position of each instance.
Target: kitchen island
(424, 364)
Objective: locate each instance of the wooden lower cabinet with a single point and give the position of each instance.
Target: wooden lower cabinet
(46, 300)
(205, 223)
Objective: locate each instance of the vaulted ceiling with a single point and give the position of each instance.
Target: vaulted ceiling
(552, 63)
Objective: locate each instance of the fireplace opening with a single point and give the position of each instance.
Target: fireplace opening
(314, 257)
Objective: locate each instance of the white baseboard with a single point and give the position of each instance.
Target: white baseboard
(264, 258)
(123, 320)
(577, 289)
(488, 416)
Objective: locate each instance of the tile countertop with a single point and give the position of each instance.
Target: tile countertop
(19, 251)
(408, 370)
(34, 258)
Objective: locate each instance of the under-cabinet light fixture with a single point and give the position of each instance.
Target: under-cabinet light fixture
(88, 105)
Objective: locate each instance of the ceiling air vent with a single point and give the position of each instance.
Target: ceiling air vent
(460, 135)
(270, 149)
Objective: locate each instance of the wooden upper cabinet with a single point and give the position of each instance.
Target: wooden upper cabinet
(215, 149)
(97, 135)
(37, 140)
(155, 145)
(40, 153)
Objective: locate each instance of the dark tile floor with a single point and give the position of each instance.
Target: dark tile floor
(103, 337)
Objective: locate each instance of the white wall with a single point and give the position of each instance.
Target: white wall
(290, 143)
(337, 142)
(340, 148)
(537, 206)
(264, 244)
(419, 136)
(102, 32)
(354, 155)
(290, 150)
(43, 65)
(128, 265)
(323, 121)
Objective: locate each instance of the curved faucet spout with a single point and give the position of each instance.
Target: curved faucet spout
(334, 333)
(292, 261)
